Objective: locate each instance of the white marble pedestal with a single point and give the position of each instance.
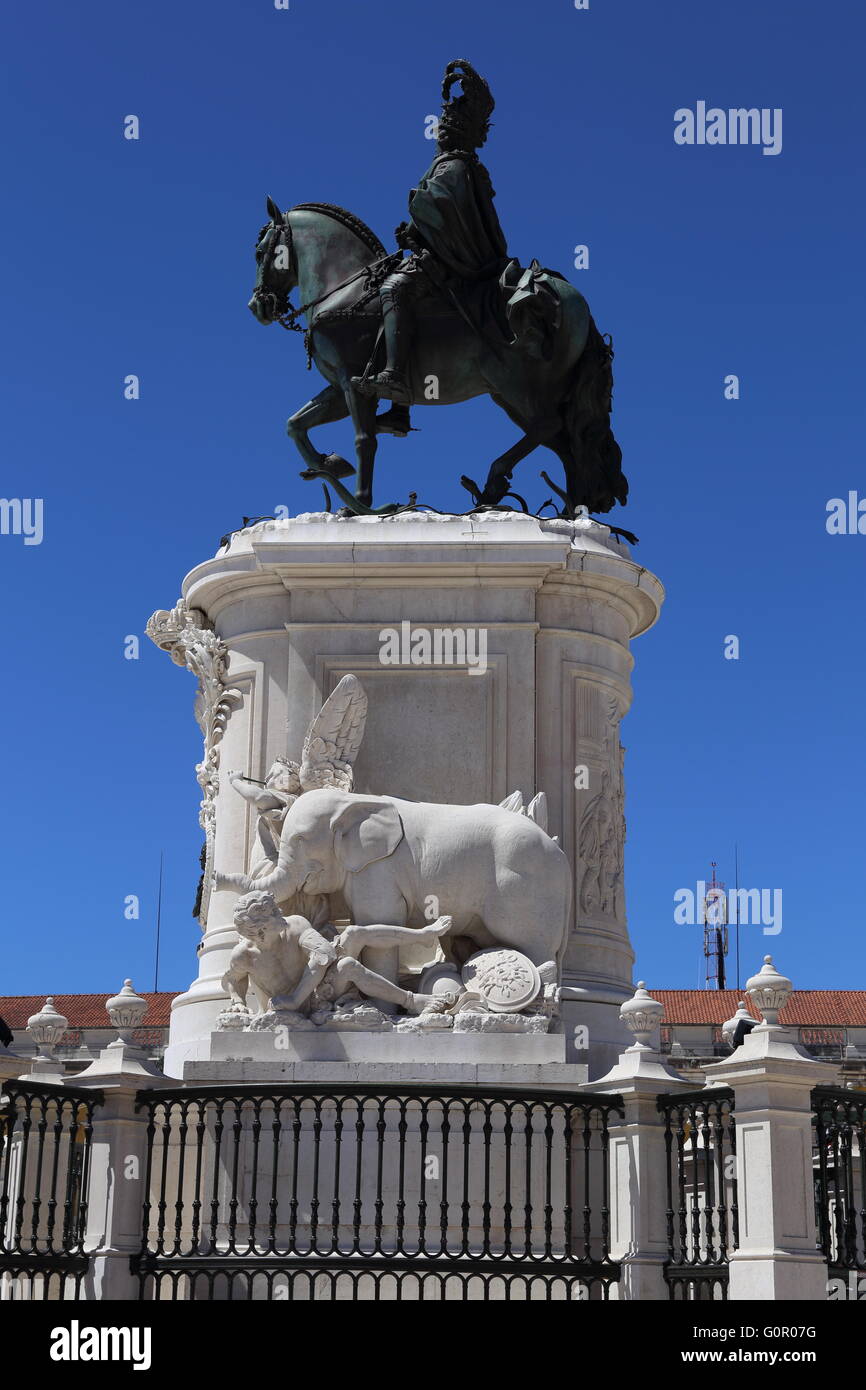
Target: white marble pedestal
(273, 622)
(343, 1057)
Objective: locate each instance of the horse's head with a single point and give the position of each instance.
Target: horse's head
(276, 272)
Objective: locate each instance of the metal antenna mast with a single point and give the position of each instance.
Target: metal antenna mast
(714, 915)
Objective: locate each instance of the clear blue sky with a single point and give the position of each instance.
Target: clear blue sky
(136, 257)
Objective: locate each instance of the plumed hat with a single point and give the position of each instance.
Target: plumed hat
(465, 119)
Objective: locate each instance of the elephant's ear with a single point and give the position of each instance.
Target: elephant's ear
(365, 830)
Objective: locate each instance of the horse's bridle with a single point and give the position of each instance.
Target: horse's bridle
(287, 317)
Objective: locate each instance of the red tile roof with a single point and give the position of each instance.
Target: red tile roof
(807, 1008)
(82, 1010)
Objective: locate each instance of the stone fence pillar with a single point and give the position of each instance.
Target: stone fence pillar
(772, 1078)
(638, 1158)
(118, 1157)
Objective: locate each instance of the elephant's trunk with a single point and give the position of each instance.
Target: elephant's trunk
(278, 881)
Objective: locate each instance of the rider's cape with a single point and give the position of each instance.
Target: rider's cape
(451, 213)
(452, 216)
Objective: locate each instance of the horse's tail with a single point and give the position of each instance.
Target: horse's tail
(591, 455)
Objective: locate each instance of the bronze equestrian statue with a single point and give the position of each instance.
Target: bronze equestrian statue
(454, 319)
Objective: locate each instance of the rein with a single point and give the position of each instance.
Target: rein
(288, 319)
(374, 273)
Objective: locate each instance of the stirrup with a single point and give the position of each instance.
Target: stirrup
(392, 386)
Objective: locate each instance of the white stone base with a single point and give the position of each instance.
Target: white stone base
(296, 604)
(549, 1076)
(530, 1059)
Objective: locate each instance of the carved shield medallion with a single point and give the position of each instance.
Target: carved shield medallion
(506, 980)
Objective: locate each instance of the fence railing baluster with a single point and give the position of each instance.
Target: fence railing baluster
(46, 1133)
(839, 1149)
(700, 1149)
(377, 1178)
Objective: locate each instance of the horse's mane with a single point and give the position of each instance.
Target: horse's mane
(348, 220)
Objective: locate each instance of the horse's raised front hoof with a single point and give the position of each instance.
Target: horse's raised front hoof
(338, 467)
(331, 464)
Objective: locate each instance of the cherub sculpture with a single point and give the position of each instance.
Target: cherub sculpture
(330, 748)
(296, 969)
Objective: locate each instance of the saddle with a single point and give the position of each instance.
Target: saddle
(520, 307)
(532, 306)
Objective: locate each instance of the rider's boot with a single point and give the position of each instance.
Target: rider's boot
(391, 383)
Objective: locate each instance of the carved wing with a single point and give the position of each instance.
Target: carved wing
(334, 737)
(537, 810)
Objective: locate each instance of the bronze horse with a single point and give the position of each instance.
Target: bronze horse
(558, 392)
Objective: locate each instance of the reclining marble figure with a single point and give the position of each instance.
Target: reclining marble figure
(293, 967)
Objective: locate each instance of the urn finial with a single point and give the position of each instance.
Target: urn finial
(46, 1028)
(640, 1014)
(770, 992)
(126, 1010)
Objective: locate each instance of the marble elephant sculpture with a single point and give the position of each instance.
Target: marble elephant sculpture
(501, 878)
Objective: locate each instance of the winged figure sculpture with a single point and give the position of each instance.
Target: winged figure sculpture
(330, 748)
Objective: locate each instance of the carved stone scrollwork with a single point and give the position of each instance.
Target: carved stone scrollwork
(602, 829)
(188, 637)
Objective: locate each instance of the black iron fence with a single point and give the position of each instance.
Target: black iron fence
(701, 1192)
(395, 1192)
(45, 1137)
(839, 1133)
